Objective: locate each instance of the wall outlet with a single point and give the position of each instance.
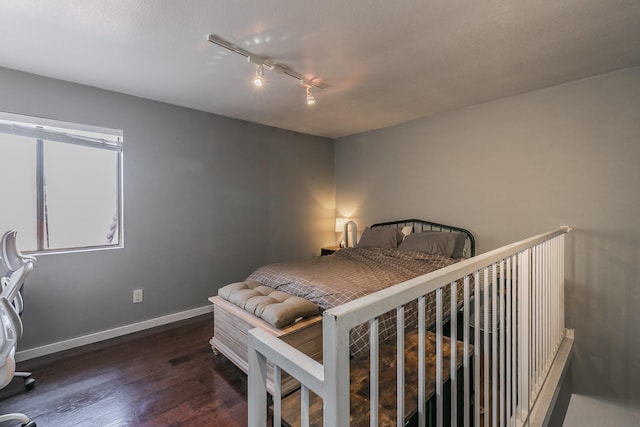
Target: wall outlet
(137, 296)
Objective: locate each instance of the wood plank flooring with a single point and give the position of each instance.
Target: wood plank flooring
(166, 376)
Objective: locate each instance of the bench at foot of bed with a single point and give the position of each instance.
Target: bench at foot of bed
(231, 326)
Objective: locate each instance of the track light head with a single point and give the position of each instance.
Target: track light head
(310, 98)
(259, 78)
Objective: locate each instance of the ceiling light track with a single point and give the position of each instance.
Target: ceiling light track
(263, 63)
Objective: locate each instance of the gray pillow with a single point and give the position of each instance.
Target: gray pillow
(461, 241)
(380, 238)
(445, 243)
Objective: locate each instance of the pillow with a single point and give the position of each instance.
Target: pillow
(445, 243)
(461, 241)
(384, 237)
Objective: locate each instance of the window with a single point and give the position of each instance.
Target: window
(60, 184)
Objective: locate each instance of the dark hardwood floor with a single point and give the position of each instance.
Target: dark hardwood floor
(166, 376)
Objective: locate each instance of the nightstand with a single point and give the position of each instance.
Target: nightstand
(328, 250)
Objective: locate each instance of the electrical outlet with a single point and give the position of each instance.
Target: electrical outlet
(137, 296)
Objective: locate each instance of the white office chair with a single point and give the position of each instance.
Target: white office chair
(13, 259)
(10, 331)
(11, 304)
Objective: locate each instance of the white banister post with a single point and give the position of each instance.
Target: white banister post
(465, 350)
(439, 373)
(476, 353)
(400, 365)
(524, 283)
(374, 370)
(257, 386)
(335, 358)
(562, 280)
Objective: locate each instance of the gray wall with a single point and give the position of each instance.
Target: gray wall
(207, 199)
(524, 165)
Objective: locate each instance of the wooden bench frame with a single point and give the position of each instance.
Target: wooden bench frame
(231, 325)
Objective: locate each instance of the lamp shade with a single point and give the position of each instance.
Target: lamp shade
(340, 222)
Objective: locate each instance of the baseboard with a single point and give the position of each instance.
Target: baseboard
(44, 350)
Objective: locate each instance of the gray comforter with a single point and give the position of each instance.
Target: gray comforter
(352, 273)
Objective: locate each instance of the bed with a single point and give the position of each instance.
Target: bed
(384, 257)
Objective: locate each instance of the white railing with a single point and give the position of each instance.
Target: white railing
(512, 309)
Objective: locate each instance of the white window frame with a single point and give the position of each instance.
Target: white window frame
(41, 130)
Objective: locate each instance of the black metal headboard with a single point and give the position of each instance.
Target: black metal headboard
(419, 225)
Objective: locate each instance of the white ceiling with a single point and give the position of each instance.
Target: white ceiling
(384, 62)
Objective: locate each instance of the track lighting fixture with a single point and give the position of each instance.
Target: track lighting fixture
(310, 98)
(271, 65)
(259, 79)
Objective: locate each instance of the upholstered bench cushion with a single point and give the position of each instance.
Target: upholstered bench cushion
(275, 307)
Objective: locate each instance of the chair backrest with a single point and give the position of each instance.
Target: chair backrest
(10, 326)
(12, 259)
(12, 284)
(18, 267)
(10, 329)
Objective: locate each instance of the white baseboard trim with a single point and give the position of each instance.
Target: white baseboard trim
(44, 350)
